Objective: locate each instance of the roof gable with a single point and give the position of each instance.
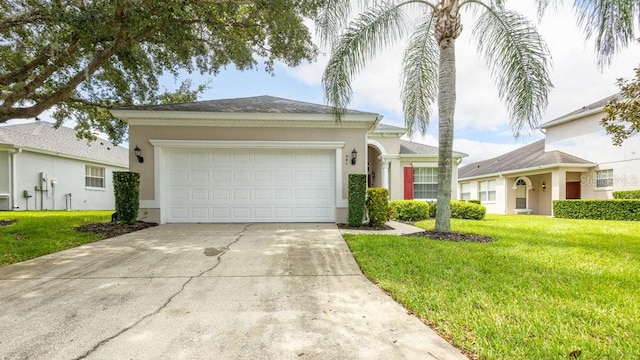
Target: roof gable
(412, 148)
(42, 136)
(580, 113)
(526, 157)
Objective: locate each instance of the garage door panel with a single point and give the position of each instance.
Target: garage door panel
(262, 175)
(200, 176)
(221, 175)
(243, 185)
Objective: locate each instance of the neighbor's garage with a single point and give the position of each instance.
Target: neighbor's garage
(250, 185)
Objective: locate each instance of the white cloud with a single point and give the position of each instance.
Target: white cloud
(576, 78)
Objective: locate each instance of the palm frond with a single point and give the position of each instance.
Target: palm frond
(610, 22)
(419, 78)
(369, 33)
(517, 57)
(543, 5)
(332, 18)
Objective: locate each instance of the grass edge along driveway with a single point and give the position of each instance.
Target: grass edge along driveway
(546, 289)
(38, 233)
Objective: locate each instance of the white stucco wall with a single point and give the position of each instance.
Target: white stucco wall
(70, 177)
(587, 139)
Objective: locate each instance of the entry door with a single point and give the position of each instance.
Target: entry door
(521, 194)
(573, 190)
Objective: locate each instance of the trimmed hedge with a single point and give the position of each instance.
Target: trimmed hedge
(410, 210)
(617, 209)
(126, 188)
(628, 194)
(357, 197)
(378, 206)
(475, 201)
(462, 210)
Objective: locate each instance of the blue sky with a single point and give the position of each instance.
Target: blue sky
(481, 120)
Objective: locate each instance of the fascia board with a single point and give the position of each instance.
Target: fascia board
(535, 168)
(73, 157)
(137, 116)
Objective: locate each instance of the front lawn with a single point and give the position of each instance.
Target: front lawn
(546, 289)
(37, 233)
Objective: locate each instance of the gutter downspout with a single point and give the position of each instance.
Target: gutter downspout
(14, 191)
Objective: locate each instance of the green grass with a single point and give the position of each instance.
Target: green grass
(37, 233)
(546, 289)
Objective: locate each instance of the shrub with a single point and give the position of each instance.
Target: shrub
(475, 201)
(629, 194)
(410, 210)
(357, 196)
(463, 210)
(378, 206)
(126, 188)
(618, 209)
(432, 210)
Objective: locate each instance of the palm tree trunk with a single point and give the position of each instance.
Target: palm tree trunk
(446, 109)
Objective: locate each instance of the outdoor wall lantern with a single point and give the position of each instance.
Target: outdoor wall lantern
(138, 154)
(354, 156)
(544, 186)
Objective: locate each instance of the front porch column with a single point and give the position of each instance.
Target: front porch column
(385, 174)
(558, 186)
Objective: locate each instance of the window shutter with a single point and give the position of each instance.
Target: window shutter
(408, 183)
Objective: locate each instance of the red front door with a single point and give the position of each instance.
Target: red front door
(573, 190)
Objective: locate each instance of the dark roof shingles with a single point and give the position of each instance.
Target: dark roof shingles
(255, 104)
(528, 156)
(42, 135)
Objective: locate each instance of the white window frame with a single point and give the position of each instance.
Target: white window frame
(604, 178)
(465, 195)
(418, 169)
(486, 192)
(90, 175)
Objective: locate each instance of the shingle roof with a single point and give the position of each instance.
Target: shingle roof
(526, 157)
(412, 148)
(596, 105)
(255, 104)
(41, 135)
(384, 128)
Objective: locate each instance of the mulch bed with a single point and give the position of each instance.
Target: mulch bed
(453, 236)
(365, 227)
(112, 229)
(6, 222)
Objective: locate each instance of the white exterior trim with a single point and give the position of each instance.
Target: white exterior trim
(160, 201)
(378, 146)
(156, 117)
(536, 168)
(567, 119)
(72, 157)
(241, 144)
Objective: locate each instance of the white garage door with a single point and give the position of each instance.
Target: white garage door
(250, 185)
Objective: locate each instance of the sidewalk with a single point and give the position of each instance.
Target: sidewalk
(398, 229)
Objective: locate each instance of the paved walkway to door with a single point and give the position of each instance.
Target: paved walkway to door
(207, 291)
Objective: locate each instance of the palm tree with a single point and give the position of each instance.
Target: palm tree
(613, 24)
(515, 53)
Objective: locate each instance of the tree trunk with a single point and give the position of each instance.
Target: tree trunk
(446, 109)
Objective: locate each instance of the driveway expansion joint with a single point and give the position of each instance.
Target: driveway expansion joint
(168, 301)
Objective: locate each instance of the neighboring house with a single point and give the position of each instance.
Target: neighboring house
(266, 159)
(576, 160)
(46, 168)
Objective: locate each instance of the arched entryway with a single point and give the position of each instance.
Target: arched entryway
(522, 185)
(377, 169)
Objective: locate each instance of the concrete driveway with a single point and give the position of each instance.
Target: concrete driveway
(207, 291)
